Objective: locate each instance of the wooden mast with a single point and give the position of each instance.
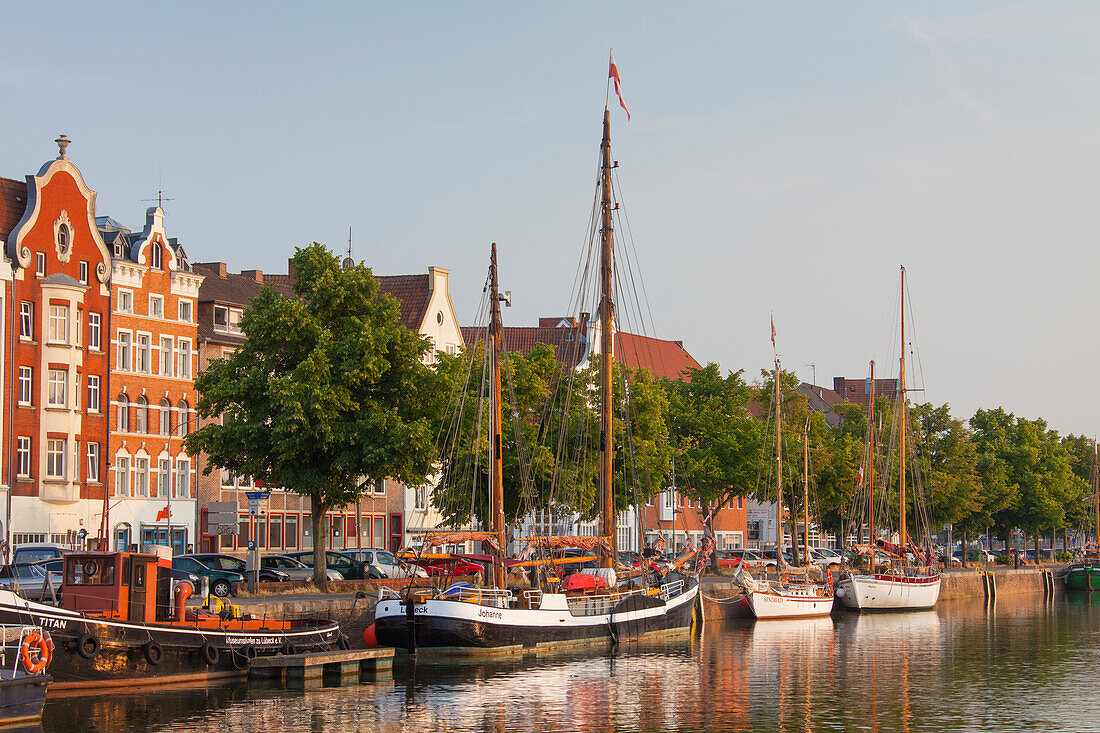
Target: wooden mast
(607, 336)
(901, 407)
(1096, 491)
(806, 494)
(496, 335)
(779, 563)
(871, 472)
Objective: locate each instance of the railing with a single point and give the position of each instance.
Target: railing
(11, 640)
(669, 590)
(596, 605)
(533, 598)
(495, 597)
(385, 593)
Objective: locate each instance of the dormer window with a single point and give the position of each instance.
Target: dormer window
(155, 256)
(227, 320)
(118, 250)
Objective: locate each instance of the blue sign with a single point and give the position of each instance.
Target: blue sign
(252, 544)
(257, 495)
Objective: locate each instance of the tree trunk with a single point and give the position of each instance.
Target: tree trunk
(1065, 539)
(964, 552)
(320, 576)
(709, 530)
(1038, 534)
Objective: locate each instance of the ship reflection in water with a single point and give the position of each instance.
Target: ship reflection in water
(1026, 665)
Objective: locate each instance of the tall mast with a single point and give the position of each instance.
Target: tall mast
(1096, 490)
(496, 335)
(806, 493)
(778, 476)
(607, 339)
(901, 408)
(871, 473)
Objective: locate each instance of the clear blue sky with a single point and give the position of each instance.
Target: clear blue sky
(780, 159)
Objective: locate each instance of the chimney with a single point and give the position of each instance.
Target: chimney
(218, 267)
(257, 275)
(290, 268)
(437, 278)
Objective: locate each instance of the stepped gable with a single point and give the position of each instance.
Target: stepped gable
(667, 359)
(13, 201)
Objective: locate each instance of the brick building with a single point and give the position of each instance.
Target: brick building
(153, 345)
(57, 311)
(859, 390)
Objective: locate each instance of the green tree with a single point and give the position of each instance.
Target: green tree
(715, 439)
(328, 394)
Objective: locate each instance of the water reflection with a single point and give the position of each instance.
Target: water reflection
(1023, 665)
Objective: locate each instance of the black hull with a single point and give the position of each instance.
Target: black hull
(22, 698)
(124, 656)
(441, 632)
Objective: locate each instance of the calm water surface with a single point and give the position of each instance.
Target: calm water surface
(1027, 665)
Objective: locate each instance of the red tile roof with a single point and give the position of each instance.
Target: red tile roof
(412, 292)
(13, 201)
(661, 358)
(568, 344)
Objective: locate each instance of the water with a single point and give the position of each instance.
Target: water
(1027, 665)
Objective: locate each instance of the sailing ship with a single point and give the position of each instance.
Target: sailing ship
(794, 594)
(590, 605)
(910, 578)
(121, 623)
(1084, 574)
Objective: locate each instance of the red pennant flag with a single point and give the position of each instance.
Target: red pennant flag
(860, 484)
(613, 73)
(773, 332)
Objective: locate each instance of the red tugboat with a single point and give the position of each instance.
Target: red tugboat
(122, 623)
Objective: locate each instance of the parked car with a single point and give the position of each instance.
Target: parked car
(826, 558)
(31, 554)
(732, 558)
(456, 567)
(383, 564)
(630, 559)
(237, 565)
(770, 558)
(294, 569)
(55, 567)
(26, 581)
(222, 582)
(349, 567)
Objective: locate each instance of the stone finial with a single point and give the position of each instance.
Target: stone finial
(62, 143)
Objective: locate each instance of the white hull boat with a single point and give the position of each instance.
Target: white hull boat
(888, 592)
(789, 602)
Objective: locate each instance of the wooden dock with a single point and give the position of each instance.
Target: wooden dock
(309, 669)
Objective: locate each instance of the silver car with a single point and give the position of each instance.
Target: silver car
(27, 581)
(383, 564)
(294, 569)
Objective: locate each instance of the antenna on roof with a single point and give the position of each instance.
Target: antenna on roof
(813, 370)
(348, 261)
(160, 199)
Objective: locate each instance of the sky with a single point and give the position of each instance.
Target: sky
(782, 160)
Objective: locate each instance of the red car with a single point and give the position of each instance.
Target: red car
(452, 567)
(730, 559)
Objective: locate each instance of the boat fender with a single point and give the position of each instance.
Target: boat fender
(87, 646)
(250, 652)
(745, 601)
(369, 637)
(343, 643)
(288, 648)
(154, 652)
(209, 653)
(35, 653)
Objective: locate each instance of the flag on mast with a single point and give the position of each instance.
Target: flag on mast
(613, 73)
(773, 327)
(860, 484)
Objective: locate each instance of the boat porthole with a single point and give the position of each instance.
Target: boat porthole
(209, 653)
(154, 653)
(87, 646)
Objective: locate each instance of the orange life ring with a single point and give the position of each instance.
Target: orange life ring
(36, 652)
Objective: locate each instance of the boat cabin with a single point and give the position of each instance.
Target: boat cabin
(122, 585)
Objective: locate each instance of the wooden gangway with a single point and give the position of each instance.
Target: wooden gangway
(309, 668)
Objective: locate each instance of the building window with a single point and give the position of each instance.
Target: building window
(227, 320)
(155, 256)
(55, 458)
(93, 462)
(83, 273)
(123, 351)
(76, 391)
(291, 531)
(123, 421)
(122, 476)
(93, 331)
(26, 320)
(156, 306)
(93, 393)
(59, 324)
(79, 325)
(164, 472)
(420, 497)
(58, 381)
(183, 478)
(141, 477)
(166, 356)
(183, 359)
(76, 460)
(143, 353)
(125, 301)
(185, 311)
(183, 419)
(23, 457)
(40, 264)
(165, 417)
(26, 385)
(141, 424)
(380, 486)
